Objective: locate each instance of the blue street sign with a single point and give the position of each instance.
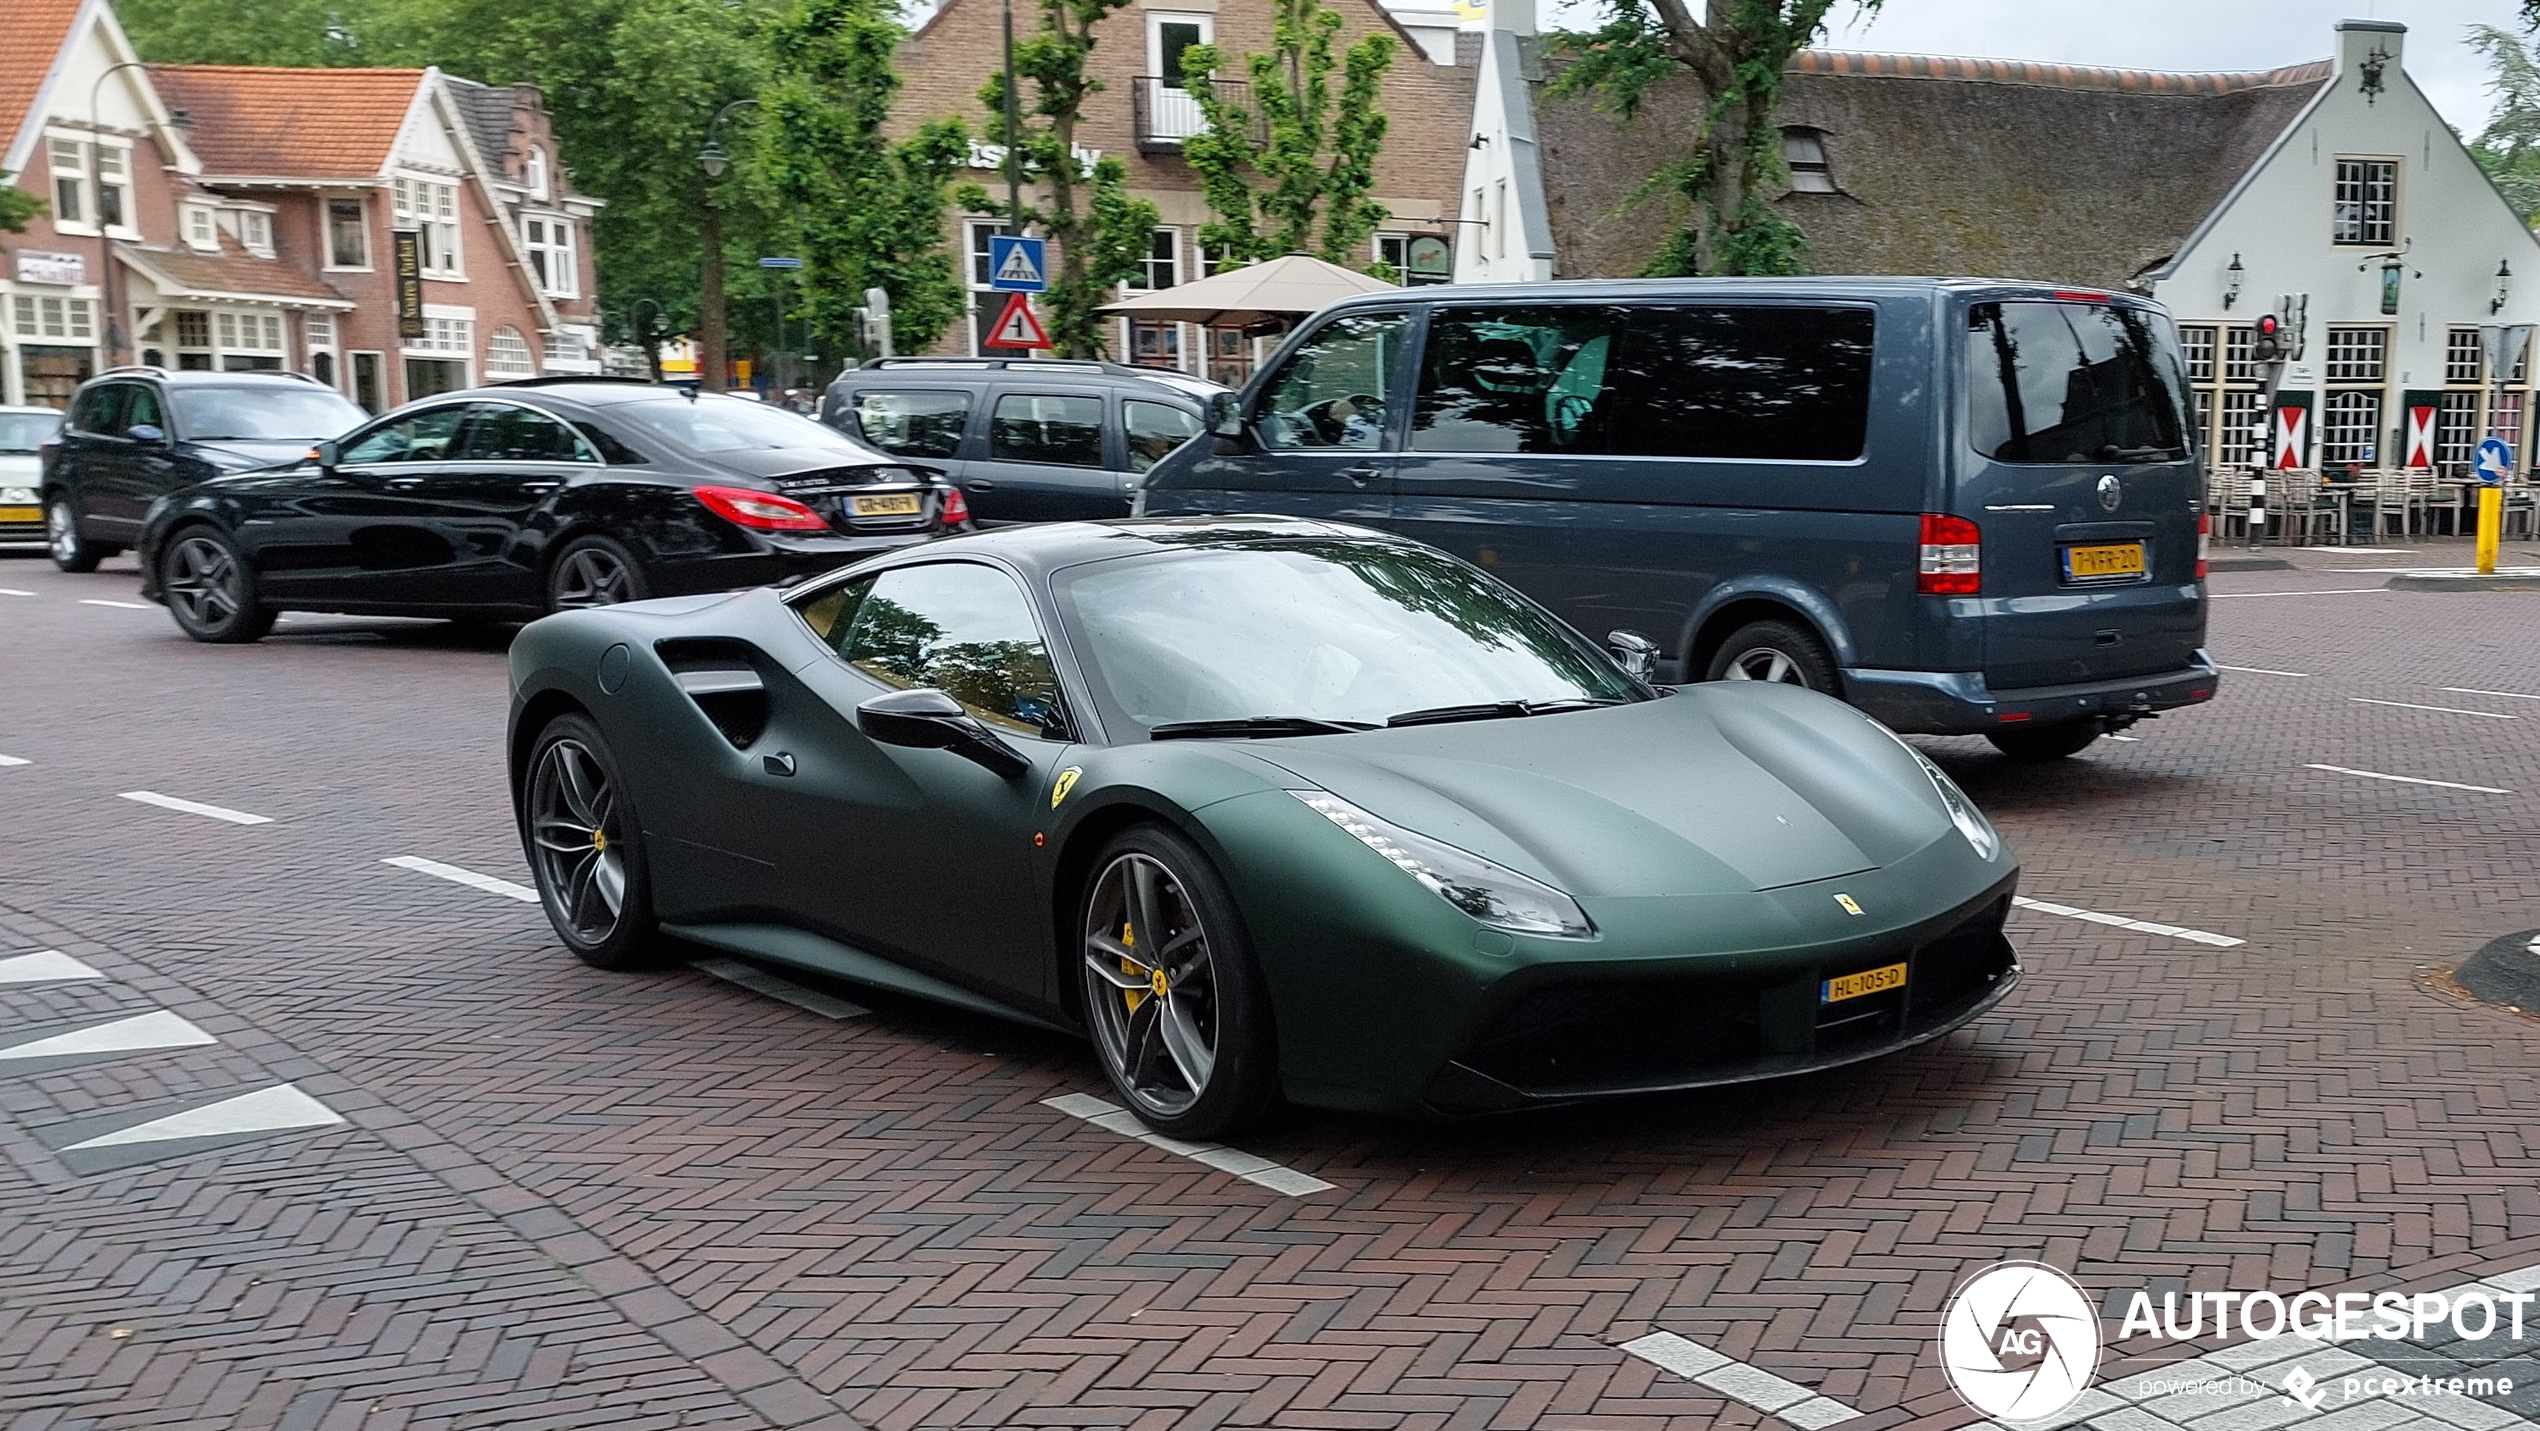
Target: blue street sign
(1017, 265)
(2495, 459)
(780, 263)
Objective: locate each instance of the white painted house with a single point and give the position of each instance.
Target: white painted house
(2213, 193)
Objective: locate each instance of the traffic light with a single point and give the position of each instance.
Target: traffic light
(2266, 339)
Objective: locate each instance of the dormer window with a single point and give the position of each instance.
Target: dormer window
(202, 230)
(535, 171)
(255, 230)
(1804, 153)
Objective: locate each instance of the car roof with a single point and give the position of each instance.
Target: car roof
(202, 378)
(1051, 546)
(1813, 286)
(1059, 373)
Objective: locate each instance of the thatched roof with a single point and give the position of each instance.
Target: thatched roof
(1946, 166)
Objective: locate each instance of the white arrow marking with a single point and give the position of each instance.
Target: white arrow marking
(44, 966)
(142, 1031)
(267, 1110)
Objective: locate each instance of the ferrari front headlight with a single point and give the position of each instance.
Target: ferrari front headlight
(1491, 893)
(1962, 811)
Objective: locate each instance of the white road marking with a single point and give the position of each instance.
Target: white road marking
(2447, 710)
(194, 807)
(2125, 737)
(2408, 779)
(43, 967)
(14, 760)
(2426, 570)
(759, 981)
(118, 605)
(2139, 926)
(2336, 591)
(1756, 1387)
(1249, 1167)
(2474, 691)
(2263, 671)
(13, 591)
(2376, 552)
(141, 1031)
(470, 878)
(267, 1110)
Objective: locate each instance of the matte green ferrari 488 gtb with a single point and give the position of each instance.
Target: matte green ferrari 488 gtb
(1268, 808)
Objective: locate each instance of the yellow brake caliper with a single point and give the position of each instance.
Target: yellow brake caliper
(1129, 940)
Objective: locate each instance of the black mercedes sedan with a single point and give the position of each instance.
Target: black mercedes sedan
(512, 501)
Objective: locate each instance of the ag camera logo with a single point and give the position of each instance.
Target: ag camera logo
(2020, 1341)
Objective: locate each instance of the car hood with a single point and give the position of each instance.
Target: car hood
(1723, 788)
(238, 455)
(20, 469)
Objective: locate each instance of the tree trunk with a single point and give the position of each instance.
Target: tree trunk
(710, 321)
(1727, 178)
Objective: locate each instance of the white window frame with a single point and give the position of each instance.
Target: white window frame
(504, 366)
(255, 231)
(2366, 203)
(563, 276)
(200, 224)
(975, 250)
(534, 169)
(86, 175)
(1157, 20)
(429, 204)
(446, 334)
(1173, 238)
(327, 213)
(53, 320)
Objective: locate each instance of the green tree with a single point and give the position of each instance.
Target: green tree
(865, 212)
(17, 206)
(2509, 147)
(1737, 51)
(1291, 171)
(1099, 231)
(253, 32)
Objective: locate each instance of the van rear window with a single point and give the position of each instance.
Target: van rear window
(2073, 382)
(1774, 382)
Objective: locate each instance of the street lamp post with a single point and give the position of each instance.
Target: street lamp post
(710, 316)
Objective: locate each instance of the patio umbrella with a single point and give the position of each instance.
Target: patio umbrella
(1279, 291)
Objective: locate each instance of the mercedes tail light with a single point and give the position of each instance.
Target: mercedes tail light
(956, 507)
(1953, 557)
(760, 511)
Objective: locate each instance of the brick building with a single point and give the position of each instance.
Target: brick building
(230, 217)
(1145, 111)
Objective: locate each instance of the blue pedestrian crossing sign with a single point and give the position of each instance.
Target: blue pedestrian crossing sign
(2495, 460)
(1017, 264)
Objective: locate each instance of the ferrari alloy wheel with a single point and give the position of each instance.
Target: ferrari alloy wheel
(584, 848)
(1175, 1005)
(209, 590)
(1774, 651)
(593, 571)
(71, 551)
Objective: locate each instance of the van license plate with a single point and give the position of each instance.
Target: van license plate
(2116, 559)
(1868, 981)
(889, 504)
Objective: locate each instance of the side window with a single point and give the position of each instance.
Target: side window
(1776, 382)
(504, 433)
(425, 437)
(831, 615)
(1155, 429)
(1029, 427)
(912, 424)
(1516, 379)
(966, 630)
(2072, 382)
(142, 407)
(100, 409)
(1333, 391)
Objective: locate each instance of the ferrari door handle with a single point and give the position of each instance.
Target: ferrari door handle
(540, 486)
(405, 484)
(976, 485)
(781, 763)
(1362, 474)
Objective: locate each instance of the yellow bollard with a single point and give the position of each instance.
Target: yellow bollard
(2491, 525)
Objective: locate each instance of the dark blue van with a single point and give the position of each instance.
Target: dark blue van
(1967, 507)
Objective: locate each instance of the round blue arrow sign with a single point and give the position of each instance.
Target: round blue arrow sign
(2495, 460)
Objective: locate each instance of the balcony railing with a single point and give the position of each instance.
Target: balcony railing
(1165, 113)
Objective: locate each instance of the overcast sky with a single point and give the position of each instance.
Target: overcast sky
(2172, 35)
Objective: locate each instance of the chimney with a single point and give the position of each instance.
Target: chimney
(2357, 39)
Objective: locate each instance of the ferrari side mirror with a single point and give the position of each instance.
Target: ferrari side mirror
(326, 454)
(1225, 415)
(1635, 653)
(926, 719)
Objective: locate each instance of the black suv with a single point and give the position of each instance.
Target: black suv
(511, 501)
(133, 435)
(1028, 439)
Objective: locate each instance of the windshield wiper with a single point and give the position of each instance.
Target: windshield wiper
(1493, 710)
(1253, 727)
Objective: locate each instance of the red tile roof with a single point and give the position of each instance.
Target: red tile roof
(267, 120)
(31, 35)
(183, 272)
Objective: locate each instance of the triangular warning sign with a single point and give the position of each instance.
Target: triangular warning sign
(1016, 327)
(1018, 267)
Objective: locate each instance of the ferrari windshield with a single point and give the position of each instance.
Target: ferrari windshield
(1343, 633)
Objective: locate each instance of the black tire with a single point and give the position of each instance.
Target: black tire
(210, 589)
(1223, 1002)
(70, 551)
(594, 571)
(580, 832)
(2046, 742)
(1779, 651)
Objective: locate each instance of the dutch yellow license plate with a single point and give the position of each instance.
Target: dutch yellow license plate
(888, 504)
(1868, 981)
(2113, 559)
(21, 514)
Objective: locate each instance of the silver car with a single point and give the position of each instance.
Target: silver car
(23, 430)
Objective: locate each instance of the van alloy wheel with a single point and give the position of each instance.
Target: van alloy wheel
(1765, 664)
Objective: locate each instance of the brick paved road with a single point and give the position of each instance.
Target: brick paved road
(566, 1198)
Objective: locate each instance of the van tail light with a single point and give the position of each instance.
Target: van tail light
(2204, 541)
(760, 511)
(1953, 559)
(956, 506)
